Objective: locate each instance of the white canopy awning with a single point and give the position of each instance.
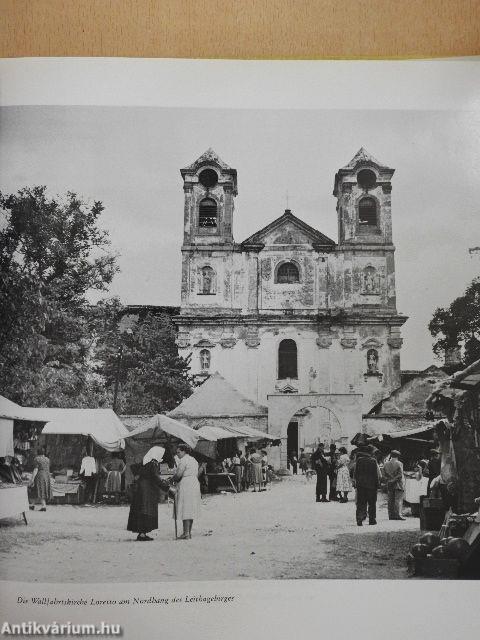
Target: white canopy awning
(102, 425)
(13, 411)
(160, 424)
(242, 431)
(209, 432)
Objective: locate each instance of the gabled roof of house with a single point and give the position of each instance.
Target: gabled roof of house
(217, 397)
(315, 236)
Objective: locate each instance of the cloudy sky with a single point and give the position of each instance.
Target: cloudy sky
(129, 158)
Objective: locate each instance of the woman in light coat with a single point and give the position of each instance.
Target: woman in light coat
(187, 499)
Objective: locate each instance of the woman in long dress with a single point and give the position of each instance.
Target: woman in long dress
(114, 469)
(344, 483)
(256, 460)
(41, 480)
(143, 516)
(187, 498)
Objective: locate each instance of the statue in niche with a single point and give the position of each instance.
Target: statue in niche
(370, 281)
(372, 362)
(312, 374)
(207, 280)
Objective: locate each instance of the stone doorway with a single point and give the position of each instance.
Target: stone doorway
(347, 409)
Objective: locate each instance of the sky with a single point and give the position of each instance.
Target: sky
(130, 159)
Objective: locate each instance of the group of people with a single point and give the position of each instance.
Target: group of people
(111, 470)
(251, 469)
(332, 469)
(360, 472)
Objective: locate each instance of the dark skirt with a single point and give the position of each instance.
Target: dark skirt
(143, 516)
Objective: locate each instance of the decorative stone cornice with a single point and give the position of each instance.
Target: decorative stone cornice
(395, 342)
(228, 343)
(372, 343)
(324, 341)
(369, 375)
(254, 247)
(348, 343)
(183, 340)
(204, 344)
(252, 340)
(285, 388)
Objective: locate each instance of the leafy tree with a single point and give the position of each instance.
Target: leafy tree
(52, 253)
(459, 325)
(140, 359)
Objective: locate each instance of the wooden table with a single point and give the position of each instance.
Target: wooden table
(13, 502)
(226, 475)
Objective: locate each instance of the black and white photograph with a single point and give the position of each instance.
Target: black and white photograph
(240, 342)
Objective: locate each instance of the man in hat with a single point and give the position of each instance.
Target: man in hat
(321, 466)
(367, 481)
(393, 472)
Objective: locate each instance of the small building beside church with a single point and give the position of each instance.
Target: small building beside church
(292, 319)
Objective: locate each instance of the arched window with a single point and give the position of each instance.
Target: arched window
(287, 273)
(367, 213)
(287, 359)
(204, 359)
(208, 280)
(207, 213)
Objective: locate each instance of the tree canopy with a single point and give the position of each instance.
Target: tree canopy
(55, 348)
(52, 253)
(141, 365)
(459, 325)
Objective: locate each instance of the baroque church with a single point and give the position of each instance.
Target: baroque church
(293, 320)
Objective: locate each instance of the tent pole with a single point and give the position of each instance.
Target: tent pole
(175, 514)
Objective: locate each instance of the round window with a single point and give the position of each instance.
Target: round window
(366, 178)
(208, 177)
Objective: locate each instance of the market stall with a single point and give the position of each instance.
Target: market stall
(453, 548)
(68, 435)
(156, 430)
(13, 485)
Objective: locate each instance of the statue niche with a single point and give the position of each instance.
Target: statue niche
(207, 284)
(372, 364)
(370, 281)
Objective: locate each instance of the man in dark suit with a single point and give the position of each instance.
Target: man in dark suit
(367, 481)
(321, 466)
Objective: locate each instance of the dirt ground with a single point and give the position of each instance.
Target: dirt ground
(280, 533)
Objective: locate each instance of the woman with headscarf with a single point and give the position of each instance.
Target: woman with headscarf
(143, 516)
(187, 499)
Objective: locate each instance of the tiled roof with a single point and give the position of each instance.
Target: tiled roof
(217, 397)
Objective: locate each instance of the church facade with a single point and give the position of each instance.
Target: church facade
(289, 310)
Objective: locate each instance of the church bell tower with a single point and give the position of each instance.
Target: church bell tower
(363, 191)
(210, 187)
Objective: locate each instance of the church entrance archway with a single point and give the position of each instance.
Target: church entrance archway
(344, 413)
(292, 438)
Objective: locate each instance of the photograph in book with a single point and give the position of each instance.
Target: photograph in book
(250, 338)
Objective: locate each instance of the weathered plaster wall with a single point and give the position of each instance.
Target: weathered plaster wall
(329, 361)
